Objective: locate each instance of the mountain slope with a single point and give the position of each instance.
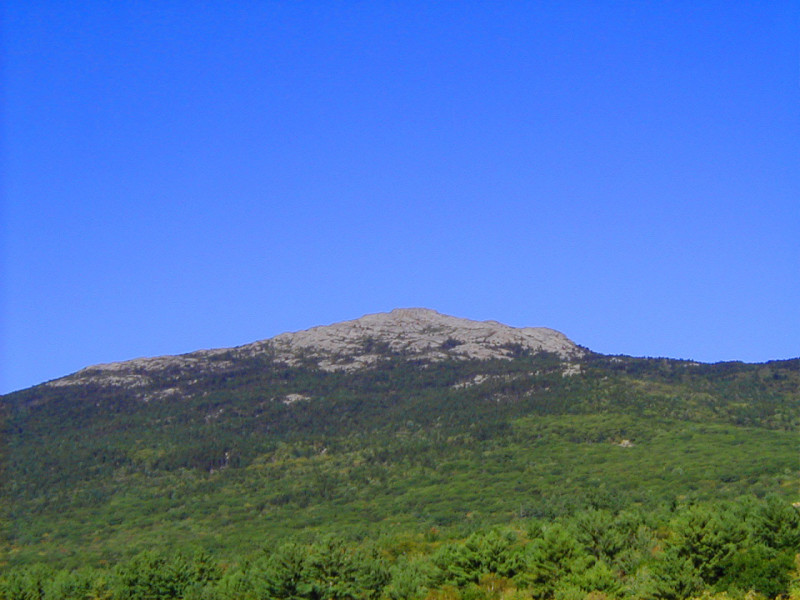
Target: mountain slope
(394, 422)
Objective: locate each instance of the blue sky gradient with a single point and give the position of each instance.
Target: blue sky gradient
(184, 175)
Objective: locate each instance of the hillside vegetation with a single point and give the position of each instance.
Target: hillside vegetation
(532, 474)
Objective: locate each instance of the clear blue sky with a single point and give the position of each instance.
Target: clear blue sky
(183, 175)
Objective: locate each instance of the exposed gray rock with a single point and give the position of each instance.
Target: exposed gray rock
(417, 333)
(137, 372)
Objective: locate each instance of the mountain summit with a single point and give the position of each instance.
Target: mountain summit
(414, 333)
(419, 333)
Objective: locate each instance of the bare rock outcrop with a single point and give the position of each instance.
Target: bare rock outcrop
(419, 333)
(416, 333)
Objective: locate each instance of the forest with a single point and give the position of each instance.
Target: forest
(636, 478)
(745, 548)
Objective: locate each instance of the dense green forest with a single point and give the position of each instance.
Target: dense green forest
(631, 478)
(741, 549)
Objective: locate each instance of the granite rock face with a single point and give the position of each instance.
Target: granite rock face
(415, 333)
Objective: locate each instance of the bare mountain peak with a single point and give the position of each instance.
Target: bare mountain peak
(418, 333)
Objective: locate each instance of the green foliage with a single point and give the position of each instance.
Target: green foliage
(759, 568)
(27, 583)
(549, 560)
(335, 572)
(496, 477)
(285, 575)
(709, 537)
(481, 554)
(777, 524)
(410, 579)
(154, 576)
(599, 533)
(675, 576)
(554, 557)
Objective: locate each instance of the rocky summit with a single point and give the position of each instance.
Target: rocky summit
(415, 333)
(418, 333)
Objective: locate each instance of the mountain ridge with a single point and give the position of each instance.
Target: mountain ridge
(418, 333)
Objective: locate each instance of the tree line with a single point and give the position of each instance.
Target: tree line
(747, 548)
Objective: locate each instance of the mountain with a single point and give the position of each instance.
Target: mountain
(394, 423)
(413, 333)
